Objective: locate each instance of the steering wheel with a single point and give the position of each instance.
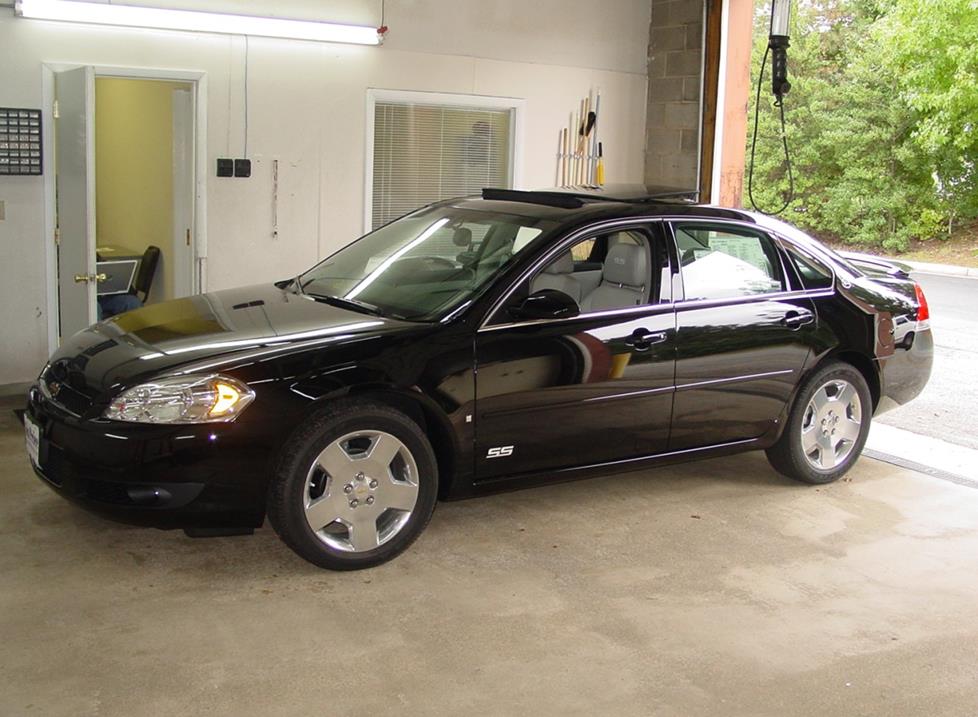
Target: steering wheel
(438, 262)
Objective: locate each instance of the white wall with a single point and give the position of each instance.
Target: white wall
(307, 108)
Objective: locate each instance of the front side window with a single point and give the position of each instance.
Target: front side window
(609, 271)
(719, 262)
(423, 265)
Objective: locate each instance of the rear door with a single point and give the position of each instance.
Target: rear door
(560, 393)
(744, 328)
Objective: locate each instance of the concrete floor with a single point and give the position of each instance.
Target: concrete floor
(711, 588)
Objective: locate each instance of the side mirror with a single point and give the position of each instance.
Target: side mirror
(546, 304)
(467, 258)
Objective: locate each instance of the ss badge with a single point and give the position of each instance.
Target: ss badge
(500, 452)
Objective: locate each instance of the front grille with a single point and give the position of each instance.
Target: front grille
(57, 389)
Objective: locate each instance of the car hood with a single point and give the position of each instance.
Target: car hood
(203, 332)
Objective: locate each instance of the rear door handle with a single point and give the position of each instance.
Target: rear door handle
(643, 339)
(797, 319)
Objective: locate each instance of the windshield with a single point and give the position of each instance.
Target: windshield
(425, 264)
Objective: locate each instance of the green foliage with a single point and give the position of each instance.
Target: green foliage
(881, 119)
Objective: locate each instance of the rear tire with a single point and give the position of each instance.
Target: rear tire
(354, 487)
(827, 426)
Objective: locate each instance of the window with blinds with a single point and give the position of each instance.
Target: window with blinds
(423, 153)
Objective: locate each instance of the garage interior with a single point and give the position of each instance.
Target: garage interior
(712, 587)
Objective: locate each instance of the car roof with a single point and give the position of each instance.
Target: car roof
(574, 207)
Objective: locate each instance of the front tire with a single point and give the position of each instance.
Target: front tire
(827, 426)
(354, 487)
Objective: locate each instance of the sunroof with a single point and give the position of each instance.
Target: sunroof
(575, 197)
(630, 193)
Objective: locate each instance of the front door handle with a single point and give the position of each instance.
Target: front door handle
(85, 278)
(797, 319)
(643, 339)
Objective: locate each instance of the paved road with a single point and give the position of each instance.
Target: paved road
(948, 407)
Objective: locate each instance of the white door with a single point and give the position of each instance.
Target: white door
(183, 193)
(75, 167)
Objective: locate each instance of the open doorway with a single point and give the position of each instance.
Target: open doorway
(126, 191)
(143, 189)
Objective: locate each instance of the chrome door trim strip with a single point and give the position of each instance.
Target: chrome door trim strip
(732, 379)
(653, 309)
(634, 394)
(754, 298)
(631, 394)
(647, 309)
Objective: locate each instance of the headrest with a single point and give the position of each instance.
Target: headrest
(626, 264)
(462, 237)
(563, 265)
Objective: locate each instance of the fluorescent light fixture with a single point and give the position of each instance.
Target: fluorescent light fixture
(97, 13)
(780, 12)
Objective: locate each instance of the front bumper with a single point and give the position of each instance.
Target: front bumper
(191, 476)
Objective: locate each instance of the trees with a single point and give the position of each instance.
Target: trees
(880, 119)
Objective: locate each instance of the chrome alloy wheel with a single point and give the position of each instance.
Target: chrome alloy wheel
(831, 424)
(361, 491)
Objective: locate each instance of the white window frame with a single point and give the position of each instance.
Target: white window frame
(515, 105)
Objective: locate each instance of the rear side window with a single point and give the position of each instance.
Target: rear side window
(721, 262)
(813, 273)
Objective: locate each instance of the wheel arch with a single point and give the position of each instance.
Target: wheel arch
(861, 363)
(423, 411)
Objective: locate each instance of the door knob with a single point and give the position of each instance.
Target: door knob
(643, 339)
(85, 278)
(797, 319)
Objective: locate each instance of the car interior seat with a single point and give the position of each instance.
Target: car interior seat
(559, 275)
(145, 273)
(624, 279)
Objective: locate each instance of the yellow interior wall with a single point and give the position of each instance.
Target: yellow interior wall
(134, 170)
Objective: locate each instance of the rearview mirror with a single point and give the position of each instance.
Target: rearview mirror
(546, 304)
(462, 237)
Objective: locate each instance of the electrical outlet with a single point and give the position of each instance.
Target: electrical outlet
(242, 168)
(225, 167)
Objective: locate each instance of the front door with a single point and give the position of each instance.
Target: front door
(743, 335)
(598, 387)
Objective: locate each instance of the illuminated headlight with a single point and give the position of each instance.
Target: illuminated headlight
(182, 399)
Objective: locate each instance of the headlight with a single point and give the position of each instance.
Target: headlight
(182, 399)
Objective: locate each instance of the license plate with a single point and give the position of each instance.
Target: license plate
(32, 439)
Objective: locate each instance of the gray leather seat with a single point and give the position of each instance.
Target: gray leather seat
(623, 279)
(560, 276)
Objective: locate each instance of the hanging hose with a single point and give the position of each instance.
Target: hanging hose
(779, 103)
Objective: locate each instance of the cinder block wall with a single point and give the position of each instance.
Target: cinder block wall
(675, 71)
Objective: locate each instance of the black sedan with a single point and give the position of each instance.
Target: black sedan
(475, 345)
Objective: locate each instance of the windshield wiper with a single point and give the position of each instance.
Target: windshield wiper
(354, 304)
